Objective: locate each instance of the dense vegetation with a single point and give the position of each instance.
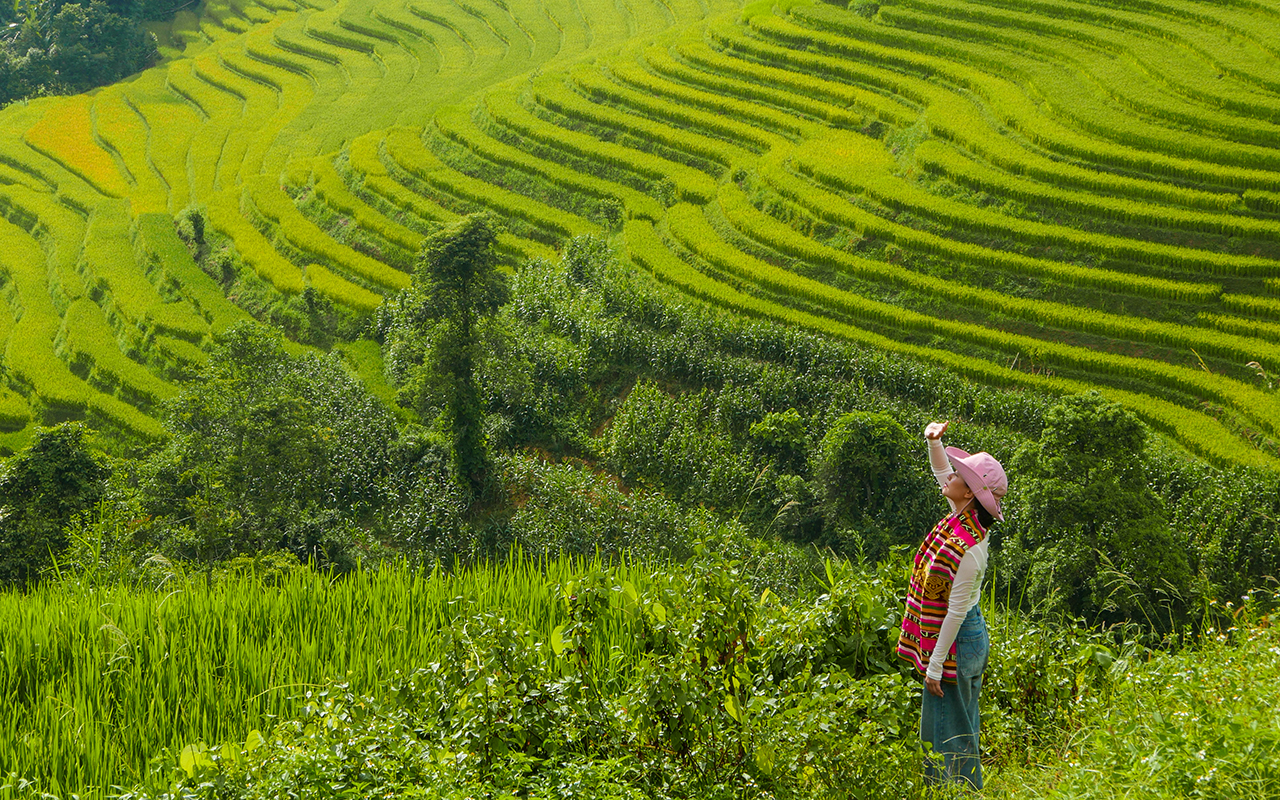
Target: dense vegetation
(55, 47)
(691, 460)
(523, 398)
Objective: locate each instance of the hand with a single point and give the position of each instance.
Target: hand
(934, 687)
(934, 430)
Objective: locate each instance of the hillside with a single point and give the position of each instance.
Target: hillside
(1037, 194)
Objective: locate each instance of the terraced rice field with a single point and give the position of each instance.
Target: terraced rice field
(1035, 193)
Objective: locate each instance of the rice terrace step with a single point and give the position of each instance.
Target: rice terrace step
(1040, 193)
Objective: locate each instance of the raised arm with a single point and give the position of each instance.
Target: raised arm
(937, 455)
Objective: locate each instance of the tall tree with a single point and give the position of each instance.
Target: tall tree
(433, 337)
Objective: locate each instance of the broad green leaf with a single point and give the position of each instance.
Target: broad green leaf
(187, 760)
(731, 706)
(557, 640)
(253, 741)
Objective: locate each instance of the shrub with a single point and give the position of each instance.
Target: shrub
(869, 485)
(1089, 535)
(41, 489)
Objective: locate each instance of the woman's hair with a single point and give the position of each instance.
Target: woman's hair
(985, 518)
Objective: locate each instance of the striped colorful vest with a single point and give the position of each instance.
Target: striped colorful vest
(934, 570)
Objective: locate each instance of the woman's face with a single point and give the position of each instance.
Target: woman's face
(957, 491)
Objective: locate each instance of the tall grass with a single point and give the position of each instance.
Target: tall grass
(95, 682)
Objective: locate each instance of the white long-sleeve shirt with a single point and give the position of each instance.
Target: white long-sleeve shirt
(966, 588)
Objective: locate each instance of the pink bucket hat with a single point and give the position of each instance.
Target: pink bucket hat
(984, 477)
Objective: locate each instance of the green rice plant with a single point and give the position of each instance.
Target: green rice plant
(335, 194)
(226, 16)
(274, 98)
(16, 157)
(29, 354)
(405, 147)
(257, 103)
(376, 183)
(655, 81)
(374, 30)
(1205, 29)
(120, 129)
(482, 43)
(363, 157)
(649, 100)
(208, 68)
(59, 230)
(956, 117)
(291, 42)
(691, 228)
(276, 206)
(828, 161)
(1267, 307)
(1201, 434)
(409, 201)
(88, 343)
(1150, 150)
(839, 211)
(752, 90)
(114, 279)
(1142, 38)
(99, 681)
(262, 72)
(829, 93)
(179, 352)
(1125, 80)
(260, 45)
(552, 92)
(167, 261)
(1258, 200)
(411, 25)
(1238, 345)
(253, 247)
(15, 414)
(212, 104)
(171, 125)
(1241, 326)
(691, 184)
(458, 125)
(941, 159)
(341, 290)
(323, 27)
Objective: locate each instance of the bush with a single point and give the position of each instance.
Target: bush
(1088, 534)
(870, 487)
(41, 490)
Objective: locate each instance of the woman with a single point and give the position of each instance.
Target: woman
(943, 633)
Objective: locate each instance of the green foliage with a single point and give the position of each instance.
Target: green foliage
(506, 708)
(107, 678)
(683, 445)
(433, 338)
(41, 490)
(561, 508)
(269, 451)
(65, 48)
(1091, 536)
(1199, 723)
(870, 485)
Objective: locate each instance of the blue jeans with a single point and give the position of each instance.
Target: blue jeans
(950, 723)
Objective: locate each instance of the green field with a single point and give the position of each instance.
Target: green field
(1057, 196)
